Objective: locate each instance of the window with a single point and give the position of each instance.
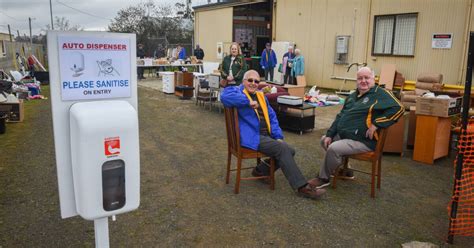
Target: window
(394, 35)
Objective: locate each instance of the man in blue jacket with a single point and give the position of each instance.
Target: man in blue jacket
(268, 61)
(260, 131)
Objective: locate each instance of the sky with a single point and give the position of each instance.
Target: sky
(91, 15)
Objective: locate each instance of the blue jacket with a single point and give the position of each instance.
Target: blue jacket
(298, 66)
(249, 125)
(268, 60)
(182, 53)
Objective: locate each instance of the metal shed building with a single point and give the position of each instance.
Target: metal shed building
(416, 35)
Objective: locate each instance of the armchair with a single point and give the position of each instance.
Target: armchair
(424, 83)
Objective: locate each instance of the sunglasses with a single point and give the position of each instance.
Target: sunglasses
(251, 80)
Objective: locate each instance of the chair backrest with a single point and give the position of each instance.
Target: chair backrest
(428, 81)
(232, 129)
(382, 135)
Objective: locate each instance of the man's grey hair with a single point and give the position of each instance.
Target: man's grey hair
(247, 73)
(365, 68)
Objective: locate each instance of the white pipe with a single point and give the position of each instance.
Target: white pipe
(101, 230)
(343, 78)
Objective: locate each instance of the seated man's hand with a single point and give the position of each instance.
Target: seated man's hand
(253, 104)
(230, 78)
(327, 141)
(370, 132)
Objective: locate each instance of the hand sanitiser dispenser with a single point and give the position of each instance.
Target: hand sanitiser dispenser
(105, 158)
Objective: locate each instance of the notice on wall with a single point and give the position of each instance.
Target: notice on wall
(442, 41)
(94, 68)
(220, 50)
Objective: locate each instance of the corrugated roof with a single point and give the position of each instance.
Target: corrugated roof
(226, 4)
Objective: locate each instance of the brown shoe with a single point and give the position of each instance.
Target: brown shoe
(309, 191)
(319, 183)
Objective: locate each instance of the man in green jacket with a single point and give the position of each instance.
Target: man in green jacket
(354, 129)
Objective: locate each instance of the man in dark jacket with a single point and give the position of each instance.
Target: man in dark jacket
(260, 131)
(268, 61)
(141, 55)
(198, 52)
(354, 129)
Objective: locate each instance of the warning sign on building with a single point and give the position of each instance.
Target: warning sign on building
(442, 41)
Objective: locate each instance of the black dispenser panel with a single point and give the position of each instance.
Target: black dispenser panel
(113, 184)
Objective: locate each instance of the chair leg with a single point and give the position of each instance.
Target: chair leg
(334, 179)
(229, 160)
(379, 172)
(237, 178)
(272, 174)
(372, 184)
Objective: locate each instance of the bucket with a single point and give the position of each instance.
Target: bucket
(3, 127)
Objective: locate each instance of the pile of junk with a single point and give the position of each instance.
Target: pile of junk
(16, 87)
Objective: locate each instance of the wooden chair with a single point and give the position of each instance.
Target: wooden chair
(374, 156)
(234, 148)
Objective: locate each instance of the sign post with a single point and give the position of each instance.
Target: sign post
(94, 104)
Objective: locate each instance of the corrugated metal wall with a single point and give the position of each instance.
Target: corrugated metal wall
(314, 24)
(212, 26)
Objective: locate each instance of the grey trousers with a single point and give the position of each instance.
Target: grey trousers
(336, 152)
(283, 154)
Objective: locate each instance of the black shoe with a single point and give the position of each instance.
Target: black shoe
(345, 174)
(257, 173)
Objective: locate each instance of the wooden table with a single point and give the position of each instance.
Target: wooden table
(299, 122)
(431, 138)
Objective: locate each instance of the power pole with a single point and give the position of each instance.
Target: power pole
(31, 37)
(9, 33)
(51, 14)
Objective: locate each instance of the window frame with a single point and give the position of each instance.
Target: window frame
(393, 35)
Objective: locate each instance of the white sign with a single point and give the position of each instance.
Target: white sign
(220, 52)
(442, 41)
(94, 68)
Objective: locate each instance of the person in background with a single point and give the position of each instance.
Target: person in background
(298, 65)
(260, 131)
(181, 52)
(354, 129)
(141, 55)
(287, 61)
(159, 52)
(198, 52)
(233, 66)
(31, 65)
(268, 61)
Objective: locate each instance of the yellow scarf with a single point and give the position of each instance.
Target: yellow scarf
(263, 105)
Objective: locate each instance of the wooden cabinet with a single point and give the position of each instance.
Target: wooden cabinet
(411, 127)
(184, 84)
(294, 90)
(431, 138)
(395, 137)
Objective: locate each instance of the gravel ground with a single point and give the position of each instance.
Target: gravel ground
(185, 202)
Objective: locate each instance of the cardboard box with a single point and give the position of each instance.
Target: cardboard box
(14, 111)
(438, 106)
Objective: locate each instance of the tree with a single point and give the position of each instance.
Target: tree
(61, 23)
(149, 22)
